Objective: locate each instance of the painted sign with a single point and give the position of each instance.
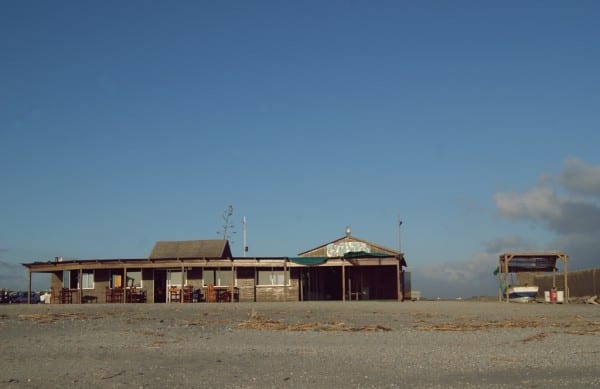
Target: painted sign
(338, 249)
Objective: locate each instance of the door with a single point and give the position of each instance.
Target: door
(160, 286)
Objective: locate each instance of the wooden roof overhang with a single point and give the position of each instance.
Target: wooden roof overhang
(166, 263)
(540, 261)
(204, 262)
(156, 263)
(341, 261)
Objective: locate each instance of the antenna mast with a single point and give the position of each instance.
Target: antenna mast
(399, 241)
(245, 244)
(227, 225)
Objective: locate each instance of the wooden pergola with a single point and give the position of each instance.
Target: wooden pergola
(517, 262)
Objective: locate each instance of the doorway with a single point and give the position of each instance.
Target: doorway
(160, 286)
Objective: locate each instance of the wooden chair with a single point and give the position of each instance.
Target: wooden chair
(142, 298)
(136, 295)
(199, 296)
(174, 295)
(188, 294)
(211, 294)
(65, 296)
(225, 296)
(117, 295)
(54, 296)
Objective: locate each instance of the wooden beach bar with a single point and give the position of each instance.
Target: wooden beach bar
(347, 268)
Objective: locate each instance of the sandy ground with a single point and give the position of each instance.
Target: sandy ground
(363, 344)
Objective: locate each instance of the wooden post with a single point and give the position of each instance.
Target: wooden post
(285, 279)
(301, 283)
(232, 281)
(565, 266)
(500, 278)
(182, 281)
(255, 281)
(28, 286)
(124, 284)
(506, 261)
(80, 284)
(400, 296)
(344, 280)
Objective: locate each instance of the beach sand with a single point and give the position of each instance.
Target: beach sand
(364, 344)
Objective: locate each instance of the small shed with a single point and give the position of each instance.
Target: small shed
(517, 262)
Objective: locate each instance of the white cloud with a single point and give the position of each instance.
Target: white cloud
(538, 203)
(573, 218)
(457, 278)
(580, 178)
(508, 243)
(559, 213)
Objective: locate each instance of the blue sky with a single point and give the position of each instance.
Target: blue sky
(126, 123)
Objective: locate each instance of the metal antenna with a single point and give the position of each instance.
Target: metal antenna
(244, 243)
(399, 241)
(227, 225)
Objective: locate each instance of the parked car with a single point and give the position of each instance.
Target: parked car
(21, 298)
(4, 296)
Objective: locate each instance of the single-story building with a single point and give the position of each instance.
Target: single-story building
(205, 270)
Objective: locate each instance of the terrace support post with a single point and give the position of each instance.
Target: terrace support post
(567, 294)
(124, 284)
(183, 276)
(286, 279)
(232, 281)
(255, 281)
(28, 286)
(301, 283)
(398, 289)
(350, 288)
(506, 261)
(80, 285)
(499, 279)
(344, 280)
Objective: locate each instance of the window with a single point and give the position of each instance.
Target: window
(116, 279)
(71, 279)
(273, 276)
(175, 278)
(66, 279)
(134, 278)
(218, 277)
(87, 279)
(208, 277)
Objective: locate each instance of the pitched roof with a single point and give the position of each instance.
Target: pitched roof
(322, 249)
(214, 248)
